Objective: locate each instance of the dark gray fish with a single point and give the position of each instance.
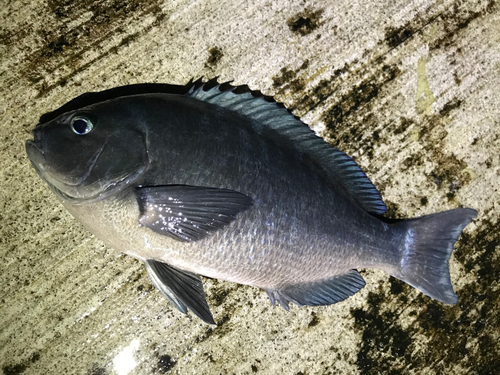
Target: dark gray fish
(216, 180)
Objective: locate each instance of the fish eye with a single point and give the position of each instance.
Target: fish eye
(81, 125)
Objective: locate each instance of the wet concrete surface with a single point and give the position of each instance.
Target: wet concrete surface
(409, 89)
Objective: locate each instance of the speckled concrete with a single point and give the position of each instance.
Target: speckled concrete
(409, 88)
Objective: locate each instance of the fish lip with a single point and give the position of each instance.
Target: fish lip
(33, 143)
(34, 152)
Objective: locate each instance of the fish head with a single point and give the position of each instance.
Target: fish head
(87, 154)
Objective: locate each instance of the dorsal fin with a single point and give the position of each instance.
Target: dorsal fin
(267, 115)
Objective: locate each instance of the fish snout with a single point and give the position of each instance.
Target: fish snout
(36, 143)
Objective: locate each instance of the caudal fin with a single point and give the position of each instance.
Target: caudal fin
(428, 244)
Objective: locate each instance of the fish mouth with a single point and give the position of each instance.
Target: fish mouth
(32, 148)
(78, 192)
(36, 157)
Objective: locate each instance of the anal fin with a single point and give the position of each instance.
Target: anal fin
(319, 293)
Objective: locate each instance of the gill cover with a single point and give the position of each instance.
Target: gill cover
(88, 154)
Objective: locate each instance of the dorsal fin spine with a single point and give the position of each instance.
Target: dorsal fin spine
(268, 114)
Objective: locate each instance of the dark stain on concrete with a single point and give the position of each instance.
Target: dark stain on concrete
(450, 106)
(384, 343)
(65, 8)
(215, 54)
(14, 369)
(397, 287)
(15, 36)
(217, 296)
(402, 126)
(305, 22)
(209, 357)
(458, 17)
(286, 75)
(97, 370)
(321, 91)
(314, 320)
(393, 210)
(349, 103)
(466, 334)
(396, 36)
(68, 46)
(58, 45)
(349, 121)
(288, 80)
(218, 331)
(449, 173)
(165, 364)
(5, 37)
(20, 368)
(107, 13)
(413, 160)
(220, 290)
(449, 170)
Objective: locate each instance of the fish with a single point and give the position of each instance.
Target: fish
(215, 180)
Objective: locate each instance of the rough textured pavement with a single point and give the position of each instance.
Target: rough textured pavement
(408, 88)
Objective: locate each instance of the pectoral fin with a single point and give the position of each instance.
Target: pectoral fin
(184, 289)
(188, 213)
(320, 293)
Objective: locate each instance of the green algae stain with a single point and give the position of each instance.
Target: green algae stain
(425, 97)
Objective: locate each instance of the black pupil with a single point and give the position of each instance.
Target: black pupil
(81, 126)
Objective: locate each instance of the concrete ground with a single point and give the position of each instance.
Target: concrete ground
(410, 89)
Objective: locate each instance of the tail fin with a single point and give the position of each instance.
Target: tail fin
(427, 248)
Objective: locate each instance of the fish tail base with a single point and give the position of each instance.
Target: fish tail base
(427, 248)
